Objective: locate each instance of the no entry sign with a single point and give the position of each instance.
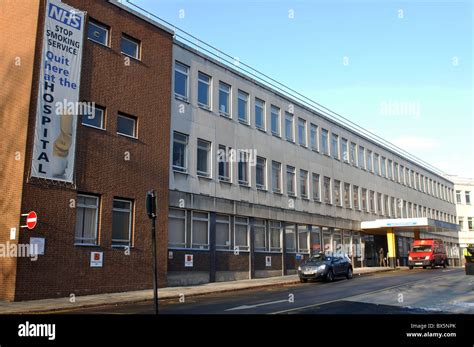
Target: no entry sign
(31, 219)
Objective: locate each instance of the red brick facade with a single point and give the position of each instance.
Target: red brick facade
(139, 88)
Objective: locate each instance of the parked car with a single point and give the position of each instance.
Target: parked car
(325, 267)
(427, 252)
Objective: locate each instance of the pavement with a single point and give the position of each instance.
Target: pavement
(90, 301)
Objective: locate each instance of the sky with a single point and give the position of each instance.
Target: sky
(401, 69)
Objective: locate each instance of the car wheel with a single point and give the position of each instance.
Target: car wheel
(424, 267)
(410, 267)
(330, 276)
(433, 265)
(444, 264)
(303, 280)
(349, 273)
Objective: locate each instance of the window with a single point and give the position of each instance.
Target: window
(303, 239)
(361, 157)
(224, 162)
(275, 115)
(259, 114)
(408, 177)
(304, 184)
(355, 197)
(176, 228)
(313, 137)
(468, 197)
(383, 167)
(337, 193)
(94, 117)
(243, 106)
(203, 153)
(364, 199)
(469, 224)
(87, 211)
(290, 180)
(181, 81)
(352, 154)
(390, 169)
(224, 99)
(324, 142)
(180, 150)
(289, 126)
(316, 187)
(335, 146)
(126, 125)
(344, 150)
(130, 46)
(327, 190)
(461, 223)
(379, 203)
(372, 201)
(275, 236)
(396, 175)
(241, 240)
(243, 168)
(200, 230)
(290, 238)
(376, 164)
(458, 196)
(347, 195)
(222, 231)
(261, 170)
(204, 87)
(302, 132)
(402, 175)
(260, 234)
(98, 32)
(276, 177)
(122, 223)
(386, 210)
(369, 160)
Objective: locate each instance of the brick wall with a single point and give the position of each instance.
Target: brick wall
(141, 89)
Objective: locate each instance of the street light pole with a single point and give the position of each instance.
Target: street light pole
(151, 211)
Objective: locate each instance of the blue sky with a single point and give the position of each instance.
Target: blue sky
(356, 57)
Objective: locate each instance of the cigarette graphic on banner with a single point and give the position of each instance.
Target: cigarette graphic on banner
(59, 81)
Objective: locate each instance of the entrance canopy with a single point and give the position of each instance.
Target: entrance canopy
(380, 226)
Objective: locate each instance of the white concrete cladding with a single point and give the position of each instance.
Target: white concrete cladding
(200, 123)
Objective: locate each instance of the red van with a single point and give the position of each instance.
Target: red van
(427, 252)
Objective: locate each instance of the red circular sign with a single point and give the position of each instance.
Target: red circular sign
(31, 219)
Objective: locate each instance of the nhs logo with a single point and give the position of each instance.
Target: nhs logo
(64, 16)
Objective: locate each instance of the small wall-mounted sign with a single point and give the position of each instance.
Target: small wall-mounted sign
(97, 259)
(268, 261)
(170, 255)
(188, 260)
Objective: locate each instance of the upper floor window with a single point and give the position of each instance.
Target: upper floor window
(181, 72)
(324, 147)
(302, 132)
(261, 173)
(304, 184)
(344, 150)
(243, 107)
(383, 167)
(122, 222)
(289, 126)
(337, 193)
(376, 164)
(369, 160)
(468, 197)
(290, 180)
(224, 99)
(259, 114)
(390, 169)
(275, 115)
(204, 87)
(180, 149)
(224, 162)
(316, 187)
(276, 177)
(126, 125)
(335, 146)
(458, 196)
(87, 211)
(203, 158)
(130, 46)
(98, 32)
(352, 154)
(361, 157)
(95, 117)
(243, 168)
(327, 189)
(313, 137)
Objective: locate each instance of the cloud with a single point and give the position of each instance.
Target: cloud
(416, 143)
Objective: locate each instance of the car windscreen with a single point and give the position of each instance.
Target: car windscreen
(318, 258)
(423, 248)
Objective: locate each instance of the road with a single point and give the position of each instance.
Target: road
(415, 292)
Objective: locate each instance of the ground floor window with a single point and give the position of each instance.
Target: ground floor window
(275, 236)
(327, 245)
(290, 238)
(86, 220)
(315, 240)
(260, 234)
(200, 230)
(176, 228)
(303, 239)
(241, 239)
(222, 232)
(122, 219)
